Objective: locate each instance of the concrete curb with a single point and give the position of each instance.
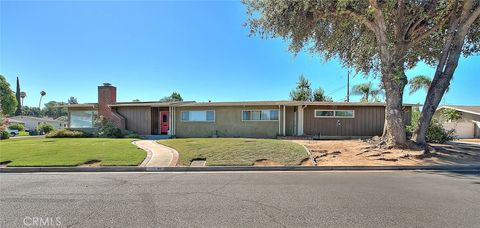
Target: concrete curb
(469, 168)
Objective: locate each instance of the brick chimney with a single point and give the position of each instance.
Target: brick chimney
(107, 95)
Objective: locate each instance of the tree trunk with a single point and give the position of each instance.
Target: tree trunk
(458, 29)
(394, 130)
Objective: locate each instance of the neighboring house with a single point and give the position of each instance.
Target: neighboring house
(261, 119)
(32, 122)
(468, 126)
(11, 121)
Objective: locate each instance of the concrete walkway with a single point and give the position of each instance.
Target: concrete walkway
(157, 155)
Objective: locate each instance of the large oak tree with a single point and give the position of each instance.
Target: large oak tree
(384, 37)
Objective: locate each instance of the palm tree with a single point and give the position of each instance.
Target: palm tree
(367, 91)
(42, 93)
(419, 82)
(23, 95)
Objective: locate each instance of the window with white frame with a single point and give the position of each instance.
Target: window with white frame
(260, 115)
(334, 113)
(198, 116)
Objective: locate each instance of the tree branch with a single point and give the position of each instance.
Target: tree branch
(471, 18)
(364, 20)
(425, 34)
(399, 24)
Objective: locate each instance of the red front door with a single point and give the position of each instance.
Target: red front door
(164, 126)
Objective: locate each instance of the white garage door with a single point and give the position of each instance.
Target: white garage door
(463, 130)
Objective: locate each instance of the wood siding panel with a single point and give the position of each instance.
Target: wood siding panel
(138, 119)
(368, 121)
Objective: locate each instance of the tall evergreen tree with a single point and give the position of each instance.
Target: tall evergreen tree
(303, 91)
(18, 112)
(319, 95)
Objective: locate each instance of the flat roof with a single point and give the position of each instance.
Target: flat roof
(148, 104)
(287, 103)
(35, 118)
(228, 103)
(86, 105)
(464, 108)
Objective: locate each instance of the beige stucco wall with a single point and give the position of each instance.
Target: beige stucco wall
(228, 123)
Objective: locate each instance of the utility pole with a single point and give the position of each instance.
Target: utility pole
(348, 85)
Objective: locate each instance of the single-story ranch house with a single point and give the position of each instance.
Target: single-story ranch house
(31, 122)
(466, 127)
(259, 119)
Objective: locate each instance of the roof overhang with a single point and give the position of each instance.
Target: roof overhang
(459, 109)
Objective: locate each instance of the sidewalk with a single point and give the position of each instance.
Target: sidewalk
(157, 155)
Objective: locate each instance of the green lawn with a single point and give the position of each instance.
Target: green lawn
(69, 151)
(236, 151)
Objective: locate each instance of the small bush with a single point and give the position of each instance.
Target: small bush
(130, 134)
(133, 136)
(65, 133)
(435, 133)
(106, 129)
(44, 127)
(4, 134)
(18, 127)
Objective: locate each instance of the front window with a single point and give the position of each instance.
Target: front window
(259, 115)
(334, 113)
(198, 116)
(81, 119)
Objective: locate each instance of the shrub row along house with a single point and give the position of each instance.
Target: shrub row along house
(259, 119)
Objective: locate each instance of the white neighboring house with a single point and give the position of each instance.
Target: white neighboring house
(32, 122)
(468, 126)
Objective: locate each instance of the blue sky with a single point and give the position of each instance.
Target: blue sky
(149, 49)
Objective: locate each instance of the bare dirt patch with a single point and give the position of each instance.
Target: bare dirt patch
(266, 162)
(361, 153)
(91, 163)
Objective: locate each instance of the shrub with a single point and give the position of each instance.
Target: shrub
(65, 133)
(130, 134)
(435, 133)
(4, 134)
(18, 127)
(106, 129)
(44, 127)
(133, 136)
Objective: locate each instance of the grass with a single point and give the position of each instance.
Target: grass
(236, 151)
(69, 152)
(23, 133)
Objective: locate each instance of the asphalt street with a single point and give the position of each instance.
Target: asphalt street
(241, 199)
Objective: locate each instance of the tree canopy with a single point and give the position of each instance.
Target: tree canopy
(72, 100)
(173, 97)
(53, 109)
(319, 95)
(351, 30)
(303, 91)
(383, 37)
(7, 97)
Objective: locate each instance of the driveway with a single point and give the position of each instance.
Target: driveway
(246, 199)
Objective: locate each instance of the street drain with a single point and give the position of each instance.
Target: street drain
(198, 162)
